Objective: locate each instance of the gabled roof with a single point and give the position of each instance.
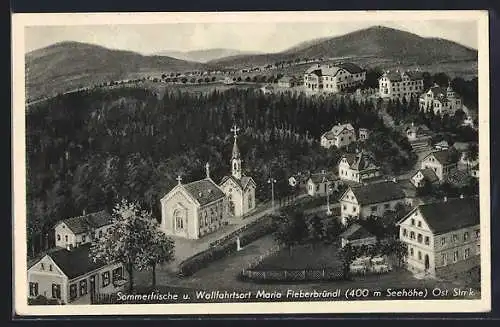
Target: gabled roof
(351, 68)
(242, 183)
(75, 262)
(356, 232)
(377, 192)
(337, 129)
(323, 177)
(392, 76)
(444, 157)
(360, 161)
(414, 75)
(286, 79)
(204, 191)
(83, 224)
(454, 214)
(428, 174)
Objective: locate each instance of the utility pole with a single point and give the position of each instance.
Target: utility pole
(272, 181)
(328, 211)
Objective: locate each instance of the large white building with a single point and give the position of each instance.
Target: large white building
(362, 201)
(399, 85)
(340, 135)
(442, 238)
(331, 78)
(440, 100)
(195, 209)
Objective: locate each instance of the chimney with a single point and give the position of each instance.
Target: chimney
(445, 199)
(207, 169)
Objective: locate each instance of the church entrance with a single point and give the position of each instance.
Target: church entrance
(180, 224)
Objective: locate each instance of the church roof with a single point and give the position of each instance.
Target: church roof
(236, 151)
(243, 182)
(204, 191)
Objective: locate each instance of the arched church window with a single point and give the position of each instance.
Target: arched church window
(179, 220)
(250, 199)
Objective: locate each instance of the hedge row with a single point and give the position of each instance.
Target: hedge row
(289, 275)
(191, 265)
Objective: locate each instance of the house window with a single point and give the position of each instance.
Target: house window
(466, 236)
(455, 238)
(374, 208)
(33, 289)
(58, 237)
(344, 207)
(466, 253)
(250, 202)
(411, 252)
(72, 291)
(444, 258)
(83, 238)
(405, 232)
(478, 249)
(100, 233)
(455, 256)
(477, 233)
(427, 240)
(419, 223)
(353, 209)
(56, 291)
(419, 255)
(105, 279)
(419, 238)
(66, 238)
(412, 235)
(42, 266)
(443, 241)
(50, 267)
(83, 287)
(117, 274)
(413, 222)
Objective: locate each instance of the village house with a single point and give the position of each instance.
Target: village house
(440, 100)
(422, 176)
(267, 89)
(417, 132)
(340, 135)
(75, 231)
(442, 162)
(195, 209)
(443, 145)
(364, 134)
(356, 235)
(333, 78)
(442, 238)
(286, 82)
(358, 167)
(362, 201)
(71, 275)
(238, 188)
(320, 183)
(399, 85)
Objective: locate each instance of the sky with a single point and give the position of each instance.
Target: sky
(250, 37)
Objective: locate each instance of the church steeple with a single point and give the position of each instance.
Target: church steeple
(235, 157)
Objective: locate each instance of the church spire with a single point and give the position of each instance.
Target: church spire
(236, 157)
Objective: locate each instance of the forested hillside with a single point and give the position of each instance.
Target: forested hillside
(88, 149)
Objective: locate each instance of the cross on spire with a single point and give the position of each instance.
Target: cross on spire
(235, 129)
(179, 179)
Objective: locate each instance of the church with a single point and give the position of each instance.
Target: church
(195, 209)
(239, 189)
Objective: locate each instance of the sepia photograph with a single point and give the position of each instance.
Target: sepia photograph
(293, 162)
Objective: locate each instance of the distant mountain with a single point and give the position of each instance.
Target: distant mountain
(377, 41)
(204, 56)
(67, 65)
